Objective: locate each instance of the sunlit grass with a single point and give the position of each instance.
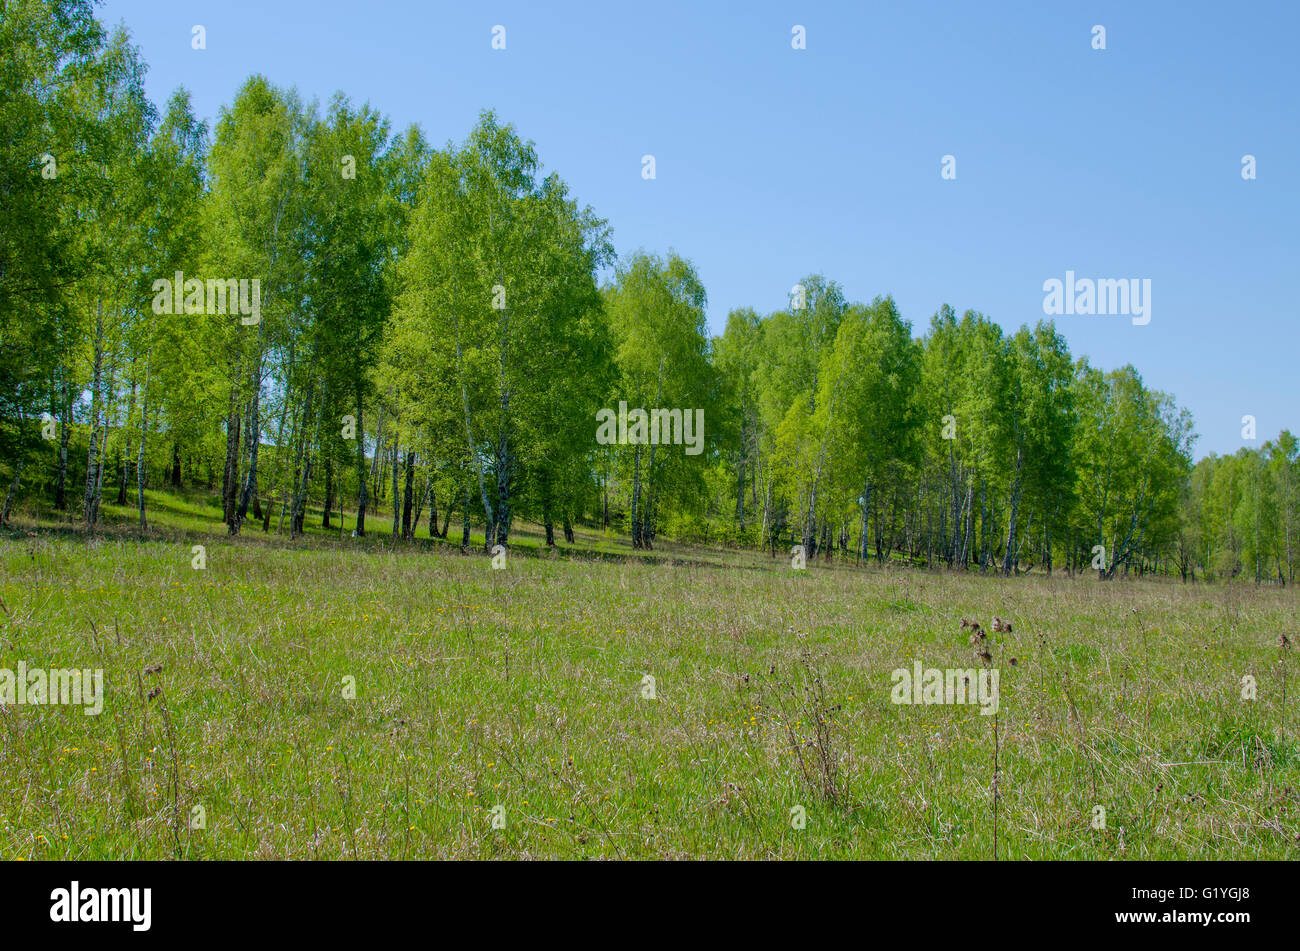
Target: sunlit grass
(523, 688)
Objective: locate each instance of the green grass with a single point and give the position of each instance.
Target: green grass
(523, 688)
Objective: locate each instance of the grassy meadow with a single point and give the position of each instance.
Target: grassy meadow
(520, 695)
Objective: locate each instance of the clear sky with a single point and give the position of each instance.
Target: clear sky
(773, 163)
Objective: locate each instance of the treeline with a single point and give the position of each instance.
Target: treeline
(319, 318)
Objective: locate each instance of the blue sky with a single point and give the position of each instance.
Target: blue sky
(773, 162)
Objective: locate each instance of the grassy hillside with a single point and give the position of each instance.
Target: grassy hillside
(525, 688)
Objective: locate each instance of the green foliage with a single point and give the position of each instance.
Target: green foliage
(440, 329)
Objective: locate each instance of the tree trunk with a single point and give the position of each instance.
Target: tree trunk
(636, 497)
(254, 441)
(767, 514)
(65, 430)
(408, 495)
(99, 481)
(863, 553)
(505, 464)
(604, 521)
(397, 497)
(1047, 546)
(361, 472)
(880, 547)
(740, 493)
(124, 463)
(89, 509)
(376, 472)
(329, 489)
(548, 522)
(13, 491)
(1008, 565)
(230, 477)
(420, 499)
(304, 495)
(144, 438)
(648, 506)
(464, 529)
(302, 468)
